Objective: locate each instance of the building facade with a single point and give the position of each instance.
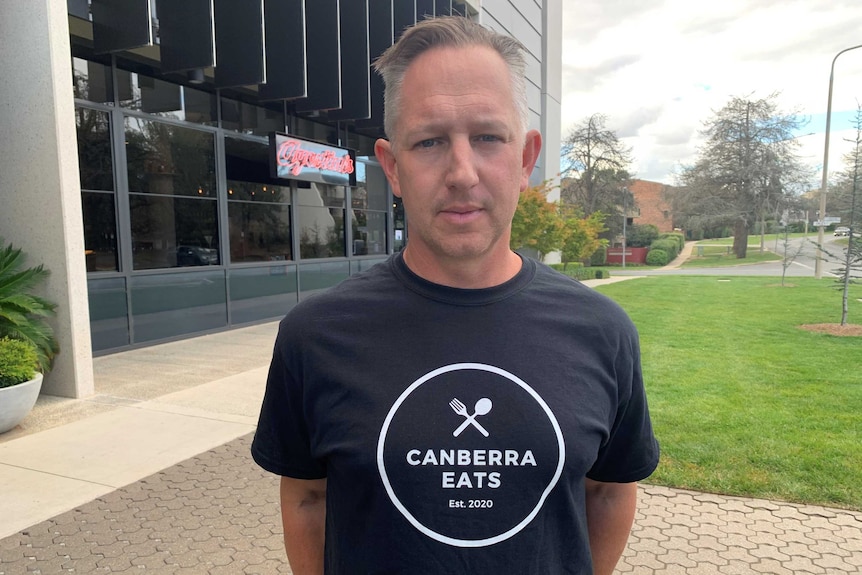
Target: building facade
(142, 143)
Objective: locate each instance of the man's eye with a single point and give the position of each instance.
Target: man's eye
(427, 143)
(489, 138)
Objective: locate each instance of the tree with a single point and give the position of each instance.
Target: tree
(747, 164)
(595, 174)
(850, 182)
(580, 235)
(537, 223)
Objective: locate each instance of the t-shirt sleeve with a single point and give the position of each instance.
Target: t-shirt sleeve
(281, 442)
(631, 452)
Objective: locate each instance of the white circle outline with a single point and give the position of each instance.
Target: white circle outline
(400, 506)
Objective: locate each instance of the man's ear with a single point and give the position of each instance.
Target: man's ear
(529, 156)
(386, 157)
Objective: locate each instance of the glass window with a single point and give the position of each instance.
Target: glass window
(169, 231)
(259, 230)
(167, 159)
(160, 98)
(95, 161)
(262, 293)
(249, 119)
(317, 277)
(100, 231)
(369, 232)
(320, 219)
(92, 81)
(170, 305)
(109, 321)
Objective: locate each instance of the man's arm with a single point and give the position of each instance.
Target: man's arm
(610, 513)
(303, 515)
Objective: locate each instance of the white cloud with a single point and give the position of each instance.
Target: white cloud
(659, 69)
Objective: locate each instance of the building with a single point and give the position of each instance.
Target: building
(141, 141)
(652, 207)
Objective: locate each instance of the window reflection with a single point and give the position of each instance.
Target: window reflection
(167, 159)
(259, 225)
(250, 119)
(92, 81)
(160, 98)
(320, 218)
(100, 231)
(369, 232)
(172, 232)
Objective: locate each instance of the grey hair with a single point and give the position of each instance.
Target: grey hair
(447, 31)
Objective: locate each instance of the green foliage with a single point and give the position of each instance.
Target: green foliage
(601, 274)
(599, 257)
(675, 236)
(669, 246)
(641, 235)
(537, 223)
(545, 226)
(657, 257)
(22, 314)
(18, 362)
(581, 234)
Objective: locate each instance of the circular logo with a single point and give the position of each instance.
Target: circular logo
(468, 453)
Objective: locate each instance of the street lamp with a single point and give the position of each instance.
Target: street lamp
(818, 263)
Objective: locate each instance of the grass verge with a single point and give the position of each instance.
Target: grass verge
(743, 401)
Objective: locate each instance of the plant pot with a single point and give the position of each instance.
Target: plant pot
(16, 402)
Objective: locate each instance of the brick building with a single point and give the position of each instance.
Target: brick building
(652, 207)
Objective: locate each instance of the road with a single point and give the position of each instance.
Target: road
(801, 266)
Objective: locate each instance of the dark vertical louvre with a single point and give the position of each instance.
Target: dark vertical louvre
(355, 68)
(403, 16)
(186, 34)
(442, 7)
(239, 43)
(324, 56)
(286, 50)
(424, 9)
(121, 25)
(379, 39)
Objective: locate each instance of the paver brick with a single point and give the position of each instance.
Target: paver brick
(219, 513)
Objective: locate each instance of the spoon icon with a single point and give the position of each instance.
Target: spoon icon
(482, 407)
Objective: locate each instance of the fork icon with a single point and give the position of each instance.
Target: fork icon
(483, 406)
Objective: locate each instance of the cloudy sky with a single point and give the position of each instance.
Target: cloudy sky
(659, 68)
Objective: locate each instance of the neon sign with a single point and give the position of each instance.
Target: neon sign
(293, 158)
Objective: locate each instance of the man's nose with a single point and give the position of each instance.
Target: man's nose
(461, 173)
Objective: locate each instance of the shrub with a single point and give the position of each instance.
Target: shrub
(675, 236)
(657, 257)
(669, 246)
(18, 362)
(601, 274)
(641, 236)
(599, 257)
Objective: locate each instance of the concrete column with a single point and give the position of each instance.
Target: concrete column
(40, 195)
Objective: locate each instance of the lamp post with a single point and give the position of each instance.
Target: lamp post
(818, 263)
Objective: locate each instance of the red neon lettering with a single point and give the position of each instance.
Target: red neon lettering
(292, 156)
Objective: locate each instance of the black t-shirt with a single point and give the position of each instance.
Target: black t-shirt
(455, 427)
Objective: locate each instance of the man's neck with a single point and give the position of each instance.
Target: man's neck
(470, 274)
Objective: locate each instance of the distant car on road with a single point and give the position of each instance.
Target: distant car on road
(841, 231)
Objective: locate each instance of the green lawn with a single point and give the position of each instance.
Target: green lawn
(743, 401)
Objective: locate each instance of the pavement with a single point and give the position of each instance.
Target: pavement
(153, 474)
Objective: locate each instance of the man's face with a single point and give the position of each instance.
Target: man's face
(459, 158)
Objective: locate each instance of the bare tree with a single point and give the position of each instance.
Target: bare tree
(595, 174)
(746, 166)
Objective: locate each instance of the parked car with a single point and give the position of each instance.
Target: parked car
(841, 231)
(196, 256)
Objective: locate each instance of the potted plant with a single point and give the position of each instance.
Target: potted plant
(27, 343)
(20, 381)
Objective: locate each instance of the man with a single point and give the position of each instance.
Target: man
(457, 409)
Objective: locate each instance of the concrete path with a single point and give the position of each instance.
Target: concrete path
(153, 475)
